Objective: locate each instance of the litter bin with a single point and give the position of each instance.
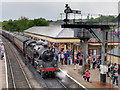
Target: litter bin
(103, 78)
(103, 71)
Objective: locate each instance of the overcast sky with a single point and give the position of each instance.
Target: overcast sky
(51, 10)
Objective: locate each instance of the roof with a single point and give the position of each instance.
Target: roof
(115, 51)
(58, 32)
(111, 37)
(21, 38)
(51, 31)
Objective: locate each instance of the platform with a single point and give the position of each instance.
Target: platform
(3, 73)
(94, 77)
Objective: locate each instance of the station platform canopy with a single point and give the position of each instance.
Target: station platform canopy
(58, 34)
(52, 33)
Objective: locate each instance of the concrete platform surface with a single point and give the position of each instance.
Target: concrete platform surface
(3, 83)
(94, 77)
(3, 69)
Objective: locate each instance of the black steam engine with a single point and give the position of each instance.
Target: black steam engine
(36, 53)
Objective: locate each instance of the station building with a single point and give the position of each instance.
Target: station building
(114, 55)
(64, 37)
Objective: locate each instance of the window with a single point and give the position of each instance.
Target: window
(93, 51)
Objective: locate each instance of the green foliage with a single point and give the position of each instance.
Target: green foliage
(40, 22)
(103, 19)
(23, 23)
(58, 22)
(0, 24)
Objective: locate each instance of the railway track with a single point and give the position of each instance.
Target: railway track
(49, 82)
(54, 83)
(18, 76)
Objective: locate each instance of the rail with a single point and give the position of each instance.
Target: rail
(17, 59)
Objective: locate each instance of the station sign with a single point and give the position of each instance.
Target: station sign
(76, 12)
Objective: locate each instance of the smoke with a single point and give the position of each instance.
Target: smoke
(62, 76)
(64, 79)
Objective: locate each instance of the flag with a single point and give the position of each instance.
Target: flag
(117, 32)
(119, 47)
(89, 40)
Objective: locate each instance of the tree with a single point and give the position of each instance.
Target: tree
(22, 23)
(103, 19)
(40, 22)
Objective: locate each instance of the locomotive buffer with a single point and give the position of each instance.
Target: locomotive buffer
(82, 30)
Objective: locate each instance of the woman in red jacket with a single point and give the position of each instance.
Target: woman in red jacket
(87, 74)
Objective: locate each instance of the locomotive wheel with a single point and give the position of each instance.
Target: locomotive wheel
(37, 68)
(54, 74)
(43, 75)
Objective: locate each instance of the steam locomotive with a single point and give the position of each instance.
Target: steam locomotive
(36, 53)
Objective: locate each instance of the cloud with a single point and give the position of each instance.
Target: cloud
(52, 10)
(60, 0)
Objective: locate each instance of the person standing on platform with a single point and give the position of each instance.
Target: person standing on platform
(115, 76)
(69, 58)
(2, 55)
(116, 65)
(98, 63)
(89, 62)
(75, 63)
(56, 54)
(70, 52)
(94, 62)
(61, 57)
(66, 55)
(80, 60)
(87, 74)
(109, 64)
(78, 54)
(2, 52)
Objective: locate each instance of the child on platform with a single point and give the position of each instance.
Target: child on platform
(87, 74)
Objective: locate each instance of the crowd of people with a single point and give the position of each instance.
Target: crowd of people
(66, 58)
(1, 50)
(113, 71)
